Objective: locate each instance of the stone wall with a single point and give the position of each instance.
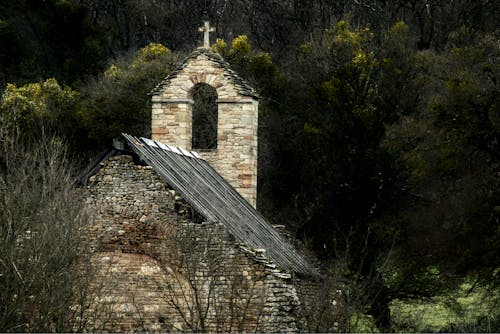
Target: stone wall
(236, 155)
(164, 269)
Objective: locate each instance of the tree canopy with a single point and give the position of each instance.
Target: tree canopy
(379, 121)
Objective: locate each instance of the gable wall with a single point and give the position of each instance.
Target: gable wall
(146, 238)
(236, 155)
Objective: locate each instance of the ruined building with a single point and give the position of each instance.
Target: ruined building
(180, 244)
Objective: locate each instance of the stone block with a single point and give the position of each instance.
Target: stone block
(160, 131)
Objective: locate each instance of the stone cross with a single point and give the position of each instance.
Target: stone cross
(206, 30)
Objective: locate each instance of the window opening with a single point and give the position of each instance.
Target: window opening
(205, 117)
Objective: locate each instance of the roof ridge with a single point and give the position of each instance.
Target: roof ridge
(174, 149)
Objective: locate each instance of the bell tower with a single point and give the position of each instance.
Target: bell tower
(234, 154)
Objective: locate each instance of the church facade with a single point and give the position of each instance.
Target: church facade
(178, 242)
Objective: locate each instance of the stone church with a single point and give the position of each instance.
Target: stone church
(179, 243)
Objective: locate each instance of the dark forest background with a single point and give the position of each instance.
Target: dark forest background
(379, 122)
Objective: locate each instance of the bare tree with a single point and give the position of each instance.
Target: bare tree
(210, 286)
(323, 304)
(44, 263)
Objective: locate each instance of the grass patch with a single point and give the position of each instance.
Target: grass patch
(460, 311)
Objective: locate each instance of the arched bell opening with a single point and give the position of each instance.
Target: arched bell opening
(205, 117)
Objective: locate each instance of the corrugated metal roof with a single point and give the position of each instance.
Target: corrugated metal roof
(215, 199)
(241, 85)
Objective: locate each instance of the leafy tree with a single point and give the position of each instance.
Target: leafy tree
(118, 101)
(449, 157)
(30, 108)
(100, 111)
(332, 179)
(256, 67)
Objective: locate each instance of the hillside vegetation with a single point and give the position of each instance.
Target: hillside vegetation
(379, 136)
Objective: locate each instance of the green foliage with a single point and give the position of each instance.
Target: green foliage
(240, 48)
(99, 111)
(118, 101)
(351, 44)
(469, 105)
(149, 53)
(382, 158)
(398, 88)
(465, 309)
(256, 67)
(449, 161)
(34, 106)
(220, 46)
(261, 72)
(340, 189)
(340, 123)
(36, 98)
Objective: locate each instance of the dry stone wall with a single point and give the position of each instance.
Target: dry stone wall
(162, 268)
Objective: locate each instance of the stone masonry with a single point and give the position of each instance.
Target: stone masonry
(236, 155)
(162, 268)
